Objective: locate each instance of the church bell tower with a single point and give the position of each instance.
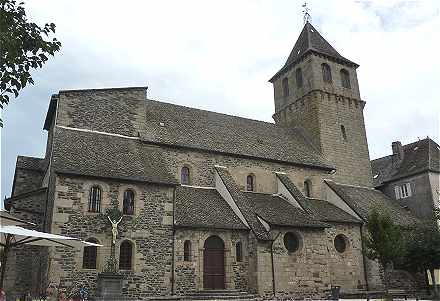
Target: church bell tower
(317, 90)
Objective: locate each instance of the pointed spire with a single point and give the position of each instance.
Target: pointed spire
(308, 41)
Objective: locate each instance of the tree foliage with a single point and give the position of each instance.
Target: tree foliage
(113, 212)
(24, 46)
(423, 249)
(384, 239)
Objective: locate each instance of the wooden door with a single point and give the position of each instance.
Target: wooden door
(214, 263)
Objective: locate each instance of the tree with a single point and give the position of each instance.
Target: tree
(24, 46)
(423, 250)
(384, 241)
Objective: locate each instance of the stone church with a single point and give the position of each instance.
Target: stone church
(209, 201)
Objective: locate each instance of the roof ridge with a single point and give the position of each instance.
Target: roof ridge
(309, 41)
(30, 157)
(97, 132)
(197, 187)
(351, 185)
(381, 158)
(258, 192)
(214, 112)
(429, 152)
(105, 89)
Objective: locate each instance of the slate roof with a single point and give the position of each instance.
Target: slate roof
(420, 156)
(31, 163)
(364, 199)
(321, 210)
(204, 208)
(310, 41)
(243, 203)
(101, 155)
(277, 211)
(215, 132)
(273, 209)
(327, 212)
(291, 187)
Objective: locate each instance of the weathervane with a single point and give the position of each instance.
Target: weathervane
(305, 11)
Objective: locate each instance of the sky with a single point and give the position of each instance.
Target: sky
(219, 56)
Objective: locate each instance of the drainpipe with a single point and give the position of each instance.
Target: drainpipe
(273, 266)
(172, 244)
(363, 258)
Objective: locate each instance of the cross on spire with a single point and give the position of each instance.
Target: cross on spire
(305, 11)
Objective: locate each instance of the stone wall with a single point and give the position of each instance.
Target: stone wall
(149, 231)
(321, 109)
(189, 274)
(118, 111)
(29, 206)
(26, 263)
(421, 201)
(202, 165)
(346, 268)
(26, 180)
(312, 80)
(300, 274)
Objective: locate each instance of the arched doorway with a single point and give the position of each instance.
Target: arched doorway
(214, 263)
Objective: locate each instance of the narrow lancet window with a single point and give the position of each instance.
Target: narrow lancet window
(345, 79)
(285, 84)
(326, 73)
(250, 183)
(95, 199)
(185, 176)
(299, 78)
(128, 202)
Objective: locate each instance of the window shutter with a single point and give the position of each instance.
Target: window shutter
(397, 191)
(408, 188)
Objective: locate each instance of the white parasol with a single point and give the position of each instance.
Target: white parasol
(13, 236)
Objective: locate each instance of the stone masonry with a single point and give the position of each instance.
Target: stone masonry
(118, 140)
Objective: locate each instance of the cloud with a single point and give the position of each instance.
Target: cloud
(219, 56)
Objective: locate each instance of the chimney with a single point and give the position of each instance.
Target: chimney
(397, 150)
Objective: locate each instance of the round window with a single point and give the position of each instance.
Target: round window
(291, 242)
(340, 243)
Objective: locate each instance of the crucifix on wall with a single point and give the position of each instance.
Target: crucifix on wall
(114, 229)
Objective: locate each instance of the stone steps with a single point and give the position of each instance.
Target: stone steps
(210, 295)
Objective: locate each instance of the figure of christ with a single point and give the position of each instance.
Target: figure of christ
(114, 228)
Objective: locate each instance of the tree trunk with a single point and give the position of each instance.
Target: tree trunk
(386, 275)
(434, 284)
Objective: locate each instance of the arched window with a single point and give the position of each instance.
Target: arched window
(299, 77)
(250, 183)
(291, 242)
(239, 252)
(307, 188)
(125, 255)
(326, 73)
(340, 243)
(343, 132)
(285, 83)
(187, 250)
(184, 176)
(128, 202)
(345, 79)
(95, 199)
(90, 255)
